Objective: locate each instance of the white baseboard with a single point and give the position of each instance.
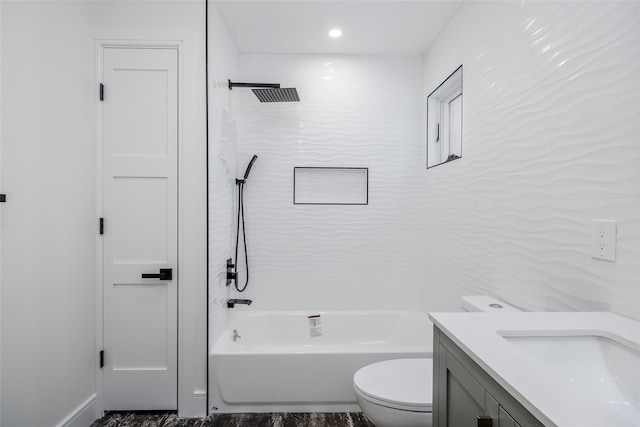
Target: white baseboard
(195, 407)
(83, 416)
(200, 400)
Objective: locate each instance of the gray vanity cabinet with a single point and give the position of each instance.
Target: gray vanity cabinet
(498, 413)
(464, 395)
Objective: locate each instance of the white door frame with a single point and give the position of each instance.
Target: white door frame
(191, 402)
(1, 213)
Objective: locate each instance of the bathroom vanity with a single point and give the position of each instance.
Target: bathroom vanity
(536, 369)
(467, 395)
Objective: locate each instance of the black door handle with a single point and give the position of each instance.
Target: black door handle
(165, 274)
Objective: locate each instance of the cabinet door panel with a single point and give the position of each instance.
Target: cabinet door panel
(467, 394)
(492, 408)
(505, 420)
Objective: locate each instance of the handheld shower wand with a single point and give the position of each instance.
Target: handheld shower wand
(246, 172)
(240, 183)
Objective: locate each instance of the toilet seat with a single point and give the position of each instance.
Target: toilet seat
(404, 384)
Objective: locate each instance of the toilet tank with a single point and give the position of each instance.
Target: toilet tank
(485, 303)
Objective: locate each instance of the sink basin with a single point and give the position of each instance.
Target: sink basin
(568, 369)
(605, 367)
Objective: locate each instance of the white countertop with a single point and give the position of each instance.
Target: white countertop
(553, 400)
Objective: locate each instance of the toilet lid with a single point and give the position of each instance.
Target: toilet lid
(398, 382)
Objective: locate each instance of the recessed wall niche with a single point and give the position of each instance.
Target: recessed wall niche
(444, 121)
(330, 186)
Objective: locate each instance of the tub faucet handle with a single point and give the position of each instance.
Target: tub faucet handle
(232, 302)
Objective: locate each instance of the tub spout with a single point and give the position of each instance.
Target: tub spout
(232, 302)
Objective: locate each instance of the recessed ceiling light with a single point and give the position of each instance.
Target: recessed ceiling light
(335, 33)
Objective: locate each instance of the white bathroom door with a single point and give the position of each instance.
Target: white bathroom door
(140, 234)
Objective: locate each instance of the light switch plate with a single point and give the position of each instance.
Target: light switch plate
(603, 239)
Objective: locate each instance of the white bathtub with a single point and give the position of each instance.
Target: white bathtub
(283, 361)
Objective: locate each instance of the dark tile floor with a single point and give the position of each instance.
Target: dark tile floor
(164, 419)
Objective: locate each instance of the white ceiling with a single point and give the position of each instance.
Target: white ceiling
(369, 27)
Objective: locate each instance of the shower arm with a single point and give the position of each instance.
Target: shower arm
(254, 85)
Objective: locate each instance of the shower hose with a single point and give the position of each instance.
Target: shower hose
(240, 222)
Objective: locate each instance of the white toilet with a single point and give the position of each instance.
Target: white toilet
(399, 392)
(485, 303)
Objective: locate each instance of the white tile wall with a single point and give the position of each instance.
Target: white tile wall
(355, 111)
(551, 141)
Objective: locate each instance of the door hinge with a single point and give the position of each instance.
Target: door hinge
(101, 92)
(101, 358)
(3, 198)
(101, 226)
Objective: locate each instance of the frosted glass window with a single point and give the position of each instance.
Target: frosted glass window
(330, 186)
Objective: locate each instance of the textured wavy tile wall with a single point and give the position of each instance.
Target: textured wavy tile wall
(551, 135)
(355, 111)
(551, 141)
